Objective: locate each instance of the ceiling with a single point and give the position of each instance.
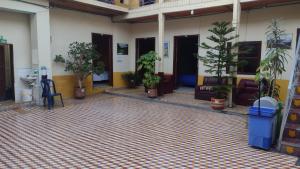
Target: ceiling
(83, 7)
(248, 5)
(255, 4)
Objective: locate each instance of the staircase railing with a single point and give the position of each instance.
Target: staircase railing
(291, 92)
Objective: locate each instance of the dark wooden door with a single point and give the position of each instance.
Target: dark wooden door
(104, 46)
(2, 72)
(185, 48)
(143, 46)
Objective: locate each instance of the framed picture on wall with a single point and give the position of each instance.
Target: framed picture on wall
(122, 49)
(284, 43)
(166, 49)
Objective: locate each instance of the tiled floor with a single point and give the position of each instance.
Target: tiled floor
(182, 96)
(108, 131)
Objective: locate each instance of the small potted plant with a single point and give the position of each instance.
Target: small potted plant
(131, 79)
(80, 61)
(220, 95)
(218, 59)
(150, 80)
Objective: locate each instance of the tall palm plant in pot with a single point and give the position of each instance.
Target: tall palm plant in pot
(274, 65)
(276, 59)
(150, 80)
(79, 61)
(218, 59)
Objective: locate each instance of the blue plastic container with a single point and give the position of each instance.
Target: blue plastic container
(261, 126)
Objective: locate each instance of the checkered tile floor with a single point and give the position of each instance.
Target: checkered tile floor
(182, 96)
(117, 132)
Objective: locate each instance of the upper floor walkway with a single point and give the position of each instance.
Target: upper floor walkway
(148, 10)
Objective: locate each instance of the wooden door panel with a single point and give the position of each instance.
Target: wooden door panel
(104, 46)
(2, 72)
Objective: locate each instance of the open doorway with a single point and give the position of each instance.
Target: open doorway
(6, 72)
(103, 44)
(185, 66)
(143, 46)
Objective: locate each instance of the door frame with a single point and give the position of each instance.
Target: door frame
(298, 36)
(12, 70)
(137, 47)
(110, 56)
(11, 47)
(175, 59)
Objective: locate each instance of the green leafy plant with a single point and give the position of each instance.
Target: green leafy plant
(150, 81)
(275, 59)
(147, 63)
(218, 56)
(79, 60)
(131, 79)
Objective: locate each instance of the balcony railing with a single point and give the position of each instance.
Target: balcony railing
(146, 2)
(107, 1)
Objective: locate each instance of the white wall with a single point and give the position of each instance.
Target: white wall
(177, 27)
(255, 22)
(253, 28)
(15, 27)
(68, 26)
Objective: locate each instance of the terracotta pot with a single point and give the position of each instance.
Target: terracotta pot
(152, 93)
(218, 104)
(79, 93)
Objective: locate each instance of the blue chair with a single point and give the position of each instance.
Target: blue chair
(49, 92)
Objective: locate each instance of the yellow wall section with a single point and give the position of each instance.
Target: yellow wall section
(118, 80)
(117, 2)
(200, 80)
(283, 88)
(134, 4)
(65, 84)
(282, 83)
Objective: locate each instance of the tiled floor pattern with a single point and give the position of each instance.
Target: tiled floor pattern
(10, 104)
(117, 132)
(183, 96)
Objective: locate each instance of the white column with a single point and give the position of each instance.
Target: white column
(236, 16)
(40, 47)
(161, 34)
(236, 24)
(40, 41)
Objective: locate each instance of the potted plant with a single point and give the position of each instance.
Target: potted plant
(80, 61)
(218, 59)
(131, 79)
(150, 80)
(273, 65)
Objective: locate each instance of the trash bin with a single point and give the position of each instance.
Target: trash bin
(261, 126)
(271, 103)
(267, 102)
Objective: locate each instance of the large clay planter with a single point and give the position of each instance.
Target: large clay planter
(218, 104)
(79, 93)
(152, 93)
